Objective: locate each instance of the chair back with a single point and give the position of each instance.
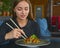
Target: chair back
(1, 22)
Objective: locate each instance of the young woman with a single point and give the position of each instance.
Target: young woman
(23, 17)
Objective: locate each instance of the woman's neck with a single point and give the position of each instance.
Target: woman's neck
(22, 23)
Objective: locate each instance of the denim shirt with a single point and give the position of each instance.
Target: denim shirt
(44, 28)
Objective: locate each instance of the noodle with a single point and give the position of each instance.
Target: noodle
(32, 39)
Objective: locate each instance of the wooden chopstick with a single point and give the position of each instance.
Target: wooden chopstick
(14, 23)
(17, 26)
(13, 28)
(9, 26)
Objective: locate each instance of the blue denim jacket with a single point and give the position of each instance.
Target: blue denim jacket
(43, 28)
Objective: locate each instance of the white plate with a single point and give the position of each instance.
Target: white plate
(42, 43)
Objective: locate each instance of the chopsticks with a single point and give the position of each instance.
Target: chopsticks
(14, 23)
(17, 27)
(13, 28)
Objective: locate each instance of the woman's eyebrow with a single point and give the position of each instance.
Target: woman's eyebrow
(22, 7)
(19, 7)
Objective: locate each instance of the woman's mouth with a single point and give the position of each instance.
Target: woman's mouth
(22, 16)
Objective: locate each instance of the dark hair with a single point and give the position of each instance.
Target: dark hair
(30, 15)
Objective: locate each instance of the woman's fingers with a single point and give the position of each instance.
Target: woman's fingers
(18, 35)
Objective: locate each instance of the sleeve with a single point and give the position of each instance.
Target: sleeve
(3, 31)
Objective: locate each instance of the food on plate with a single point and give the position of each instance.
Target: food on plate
(32, 39)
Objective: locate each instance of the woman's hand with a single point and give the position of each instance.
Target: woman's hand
(15, 33)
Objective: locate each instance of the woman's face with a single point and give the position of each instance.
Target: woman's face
(22, 10)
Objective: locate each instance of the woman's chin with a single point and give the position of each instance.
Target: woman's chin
(23, 18)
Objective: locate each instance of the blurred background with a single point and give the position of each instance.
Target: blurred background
(48, 9)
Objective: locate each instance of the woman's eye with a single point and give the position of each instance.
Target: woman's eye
(19, 9)
(26, 9)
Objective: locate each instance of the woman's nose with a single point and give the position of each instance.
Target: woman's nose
(23, 11)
